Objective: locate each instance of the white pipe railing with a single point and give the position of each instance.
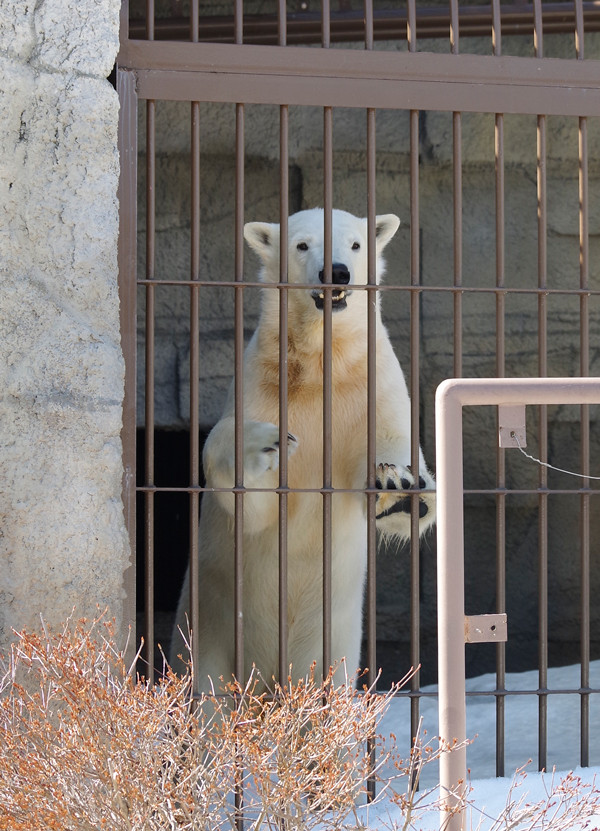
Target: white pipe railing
(451, 396)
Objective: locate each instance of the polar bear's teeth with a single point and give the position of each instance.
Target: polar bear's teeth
(339, 296)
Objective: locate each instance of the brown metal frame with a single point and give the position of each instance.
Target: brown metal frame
(242, 73)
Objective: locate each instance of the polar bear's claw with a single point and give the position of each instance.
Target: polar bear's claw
(261, 447)
(402, 480)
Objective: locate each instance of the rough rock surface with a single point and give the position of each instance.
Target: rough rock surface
(62, 538)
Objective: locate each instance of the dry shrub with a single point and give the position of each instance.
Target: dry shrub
(570, 803)
(86, 745)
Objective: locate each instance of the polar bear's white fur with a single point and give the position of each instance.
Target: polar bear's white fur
(305, 460)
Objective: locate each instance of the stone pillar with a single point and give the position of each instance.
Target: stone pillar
(63, 542)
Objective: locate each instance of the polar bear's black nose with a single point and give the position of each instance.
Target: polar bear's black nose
(339, 274)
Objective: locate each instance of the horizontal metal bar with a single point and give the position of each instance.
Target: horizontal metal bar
(465, 392)
(386, 80)
(388, 24)
(467, 492)
(250, 284)
(497, 693)
(536, 691)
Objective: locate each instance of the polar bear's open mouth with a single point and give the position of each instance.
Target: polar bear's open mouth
(338, 299)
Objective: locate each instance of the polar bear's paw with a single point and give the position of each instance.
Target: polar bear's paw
(261, 447)
(394, 507)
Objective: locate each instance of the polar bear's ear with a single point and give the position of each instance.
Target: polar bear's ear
(263, 237)
(386, 226)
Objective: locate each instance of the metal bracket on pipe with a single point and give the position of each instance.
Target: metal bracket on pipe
(511, 425)
(486, 628)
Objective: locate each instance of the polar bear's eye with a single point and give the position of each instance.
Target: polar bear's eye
(302, 246)
(355, 246)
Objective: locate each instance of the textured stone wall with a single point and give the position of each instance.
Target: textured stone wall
(62, 537)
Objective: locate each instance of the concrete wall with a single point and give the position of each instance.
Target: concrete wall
(478, 331)
(62, 537)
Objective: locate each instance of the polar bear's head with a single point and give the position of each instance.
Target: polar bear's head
(306, 254)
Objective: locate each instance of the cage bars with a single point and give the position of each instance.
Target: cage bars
(418, 83)
(388, 24)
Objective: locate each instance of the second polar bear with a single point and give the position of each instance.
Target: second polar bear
(260, 542)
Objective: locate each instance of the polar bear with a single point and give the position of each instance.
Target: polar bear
(261, 453)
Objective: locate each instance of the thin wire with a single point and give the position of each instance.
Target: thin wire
(514, 436)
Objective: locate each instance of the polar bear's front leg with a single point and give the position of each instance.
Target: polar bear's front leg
(393, 507)
(261, 462)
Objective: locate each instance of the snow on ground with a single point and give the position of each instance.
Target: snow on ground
(521, 741)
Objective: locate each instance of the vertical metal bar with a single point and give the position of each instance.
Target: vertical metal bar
(371, 300)
(584, 369)
(538, 29)
(457, 191)
(368, 10)
(149, 19)
(123, 30)
(239, 407)
(371, 371)
(327, 350)
(325, 24)
(238, 21)
(283, 390)
(543, 415)
(149, 388)
(500, 372)
(584, 328)
(127, 258)
(239, 390)
(415, 278)
(451, 602)
(579, 30)
(194, 463)
(194, 21)
(496, 29)
(282, 22)
(411, 26)
(454, 33)
(500, 453)
(415, 267)
(327, 380)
